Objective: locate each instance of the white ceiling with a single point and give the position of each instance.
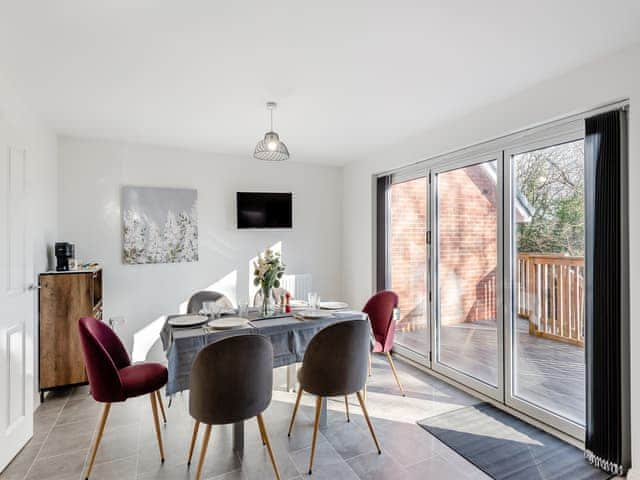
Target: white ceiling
(349, 76)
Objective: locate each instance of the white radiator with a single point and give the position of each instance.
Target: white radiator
(298, 285)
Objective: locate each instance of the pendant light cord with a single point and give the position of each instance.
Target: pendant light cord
(271, 114)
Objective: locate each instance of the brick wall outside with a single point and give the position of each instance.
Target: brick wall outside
(468, 250)
(408, 252)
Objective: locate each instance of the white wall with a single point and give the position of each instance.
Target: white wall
(613, 78)
(92, 173)
(20, 127)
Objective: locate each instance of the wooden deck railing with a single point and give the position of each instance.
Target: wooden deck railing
(550, 293)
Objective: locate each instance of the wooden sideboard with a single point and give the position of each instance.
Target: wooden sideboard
(65, 297)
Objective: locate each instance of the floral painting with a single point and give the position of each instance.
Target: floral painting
(159, 225)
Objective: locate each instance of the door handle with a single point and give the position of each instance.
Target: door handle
(33, 286)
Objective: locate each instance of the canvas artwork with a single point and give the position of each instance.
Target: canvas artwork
(160, 225)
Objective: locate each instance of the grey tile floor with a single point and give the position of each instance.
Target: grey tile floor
(66, 423)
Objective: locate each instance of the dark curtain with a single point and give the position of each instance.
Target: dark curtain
(382, 239)
(607, 324)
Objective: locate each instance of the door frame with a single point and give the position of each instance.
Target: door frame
(549, 132)
(467, 159)
(401, 176)
(570, 132)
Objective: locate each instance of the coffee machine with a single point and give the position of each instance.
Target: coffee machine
(65, 256)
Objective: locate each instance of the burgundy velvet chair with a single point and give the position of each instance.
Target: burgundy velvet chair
(112, 378)
(380, 309)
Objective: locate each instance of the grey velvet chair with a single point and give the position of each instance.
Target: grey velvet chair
(198, 298)
(335, 364)
(231, 381)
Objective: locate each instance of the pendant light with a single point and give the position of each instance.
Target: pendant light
(271, 148)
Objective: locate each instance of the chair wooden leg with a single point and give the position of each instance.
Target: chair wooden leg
(265, 438)
(316, 424)
(295, 410)
(346, 406)
(262, 434)
(159, 397)
(395, 373)
(154, 408)
(203, 451)
(194, 437)
(366, 416)
(96, 442)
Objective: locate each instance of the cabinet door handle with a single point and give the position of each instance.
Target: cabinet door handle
(33, 286)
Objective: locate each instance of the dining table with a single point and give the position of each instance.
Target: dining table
(289, 334)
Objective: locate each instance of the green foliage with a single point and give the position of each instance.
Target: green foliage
(268, 270)
(552, 182)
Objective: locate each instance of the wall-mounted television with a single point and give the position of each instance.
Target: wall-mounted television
(264, 210)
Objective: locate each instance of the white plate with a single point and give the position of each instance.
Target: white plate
(333, 305)
(227, 322)
(313, 314)
(187, 320)
(298, 303)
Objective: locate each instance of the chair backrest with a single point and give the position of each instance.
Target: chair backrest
(231, 380)
(104, 354)
(336, 360)
(197, 299)
(380, 308)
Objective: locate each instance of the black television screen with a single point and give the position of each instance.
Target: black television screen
(264, 210)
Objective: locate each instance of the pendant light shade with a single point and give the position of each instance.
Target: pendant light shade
(271, 148)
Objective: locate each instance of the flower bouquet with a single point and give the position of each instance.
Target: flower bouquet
(268, 270)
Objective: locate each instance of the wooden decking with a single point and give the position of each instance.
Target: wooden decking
(550, 373)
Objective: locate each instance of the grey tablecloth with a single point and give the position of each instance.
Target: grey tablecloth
(288, 335)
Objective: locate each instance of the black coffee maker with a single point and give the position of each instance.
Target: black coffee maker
(65, 252)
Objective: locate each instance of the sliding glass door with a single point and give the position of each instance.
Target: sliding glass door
(467, 318)
(486, 253)
(545, 271)
(408, 261)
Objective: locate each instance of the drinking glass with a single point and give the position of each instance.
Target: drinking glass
(243, 309)
(314, 300)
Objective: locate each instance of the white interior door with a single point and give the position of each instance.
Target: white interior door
(16, 302)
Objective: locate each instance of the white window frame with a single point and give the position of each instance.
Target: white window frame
(543, 135)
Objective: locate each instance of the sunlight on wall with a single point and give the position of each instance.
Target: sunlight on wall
(227, 285)
(145, 338)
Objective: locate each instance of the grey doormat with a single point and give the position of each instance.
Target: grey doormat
(505, 447)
